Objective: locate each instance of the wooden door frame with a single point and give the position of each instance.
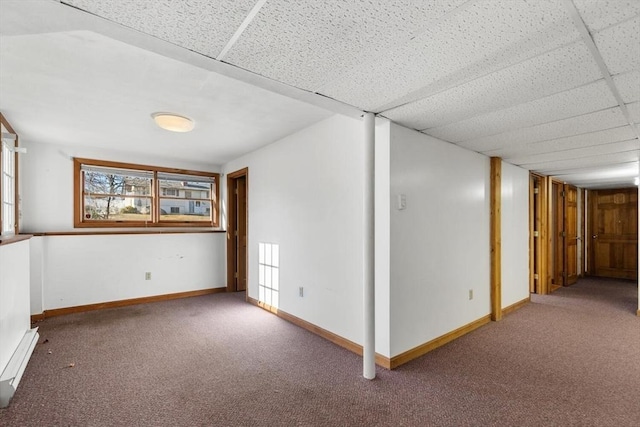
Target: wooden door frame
(539, 219)
(232, 250)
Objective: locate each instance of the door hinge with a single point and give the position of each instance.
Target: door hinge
(562, 193)
(536, 234)
(535, 277)
(235, 275)
(236, 191)
(564, 234)
(536, 190)
(235, 233)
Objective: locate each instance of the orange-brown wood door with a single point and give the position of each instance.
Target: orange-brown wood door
(571, 234)
(237, 230)
(614, 233)
(241, 238)
(558, 233)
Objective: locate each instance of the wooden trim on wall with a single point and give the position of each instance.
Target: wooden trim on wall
(15, 239)
(123, 303)
(496, 240)
(381, 360)
(513, 307)
(423, 349)
(111, 233)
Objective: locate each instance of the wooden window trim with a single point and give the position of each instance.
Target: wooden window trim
(16, 219)
(155, 197)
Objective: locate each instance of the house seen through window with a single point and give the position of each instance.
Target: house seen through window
(118, 194)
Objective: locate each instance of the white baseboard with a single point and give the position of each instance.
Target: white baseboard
(12, 374)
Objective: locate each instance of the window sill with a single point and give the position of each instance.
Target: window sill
(14, 239)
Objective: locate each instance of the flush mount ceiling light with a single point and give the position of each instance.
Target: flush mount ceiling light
(173, 122)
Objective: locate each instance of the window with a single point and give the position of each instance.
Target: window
(110, 194)
(8, 180)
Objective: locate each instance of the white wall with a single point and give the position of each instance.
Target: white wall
(440, 242)
(76, 270)
(83, 270)
(515, 234)
(305, 194)
(14, 298)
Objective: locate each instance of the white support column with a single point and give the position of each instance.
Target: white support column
(638, 312)
(369, 345)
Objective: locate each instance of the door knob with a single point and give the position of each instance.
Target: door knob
(595, 236)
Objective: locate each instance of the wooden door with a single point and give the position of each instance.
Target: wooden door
(558, 233)
(614, 233)
(241, 238)
(571, 234)
(237, 230)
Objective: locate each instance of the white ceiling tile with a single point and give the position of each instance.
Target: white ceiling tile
(634, 111)
(562, 69)
(520, 149)
(571, 103)
(308, 43)
(551, 168)
(617, 175)
(592, 122)
(482, 38)
(628, 85)
(200, 25)
(599, 14)
(564, 154)
(620, 46)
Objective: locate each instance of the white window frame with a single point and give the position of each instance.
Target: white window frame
(8, 180)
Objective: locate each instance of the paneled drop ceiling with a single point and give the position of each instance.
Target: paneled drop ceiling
(549, 85)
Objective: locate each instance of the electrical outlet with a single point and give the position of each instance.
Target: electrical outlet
(301, 291)
(470, 294)
(147, 275)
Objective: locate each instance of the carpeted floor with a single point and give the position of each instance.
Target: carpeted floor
(571, 358)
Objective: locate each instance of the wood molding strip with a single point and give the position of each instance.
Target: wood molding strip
(496, 238)
(107, 233)
(381, 360)
(123, 303)
(425, 348)
(515, 306)
(15, 239)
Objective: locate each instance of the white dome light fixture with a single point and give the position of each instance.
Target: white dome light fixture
(173, 122)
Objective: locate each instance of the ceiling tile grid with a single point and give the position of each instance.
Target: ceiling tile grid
(600, 14)
(551, 168)
(570, 154)
(200, 25)
(481, 39)
(606, 136)
(591, 122)
(628, 85)
(309, 43)
(556, 71)
(575, 102)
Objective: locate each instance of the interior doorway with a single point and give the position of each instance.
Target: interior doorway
(237, 230)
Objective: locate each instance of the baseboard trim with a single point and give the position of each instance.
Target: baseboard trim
(425, 348)
(123, 303)
(381, 360)
(514, 307)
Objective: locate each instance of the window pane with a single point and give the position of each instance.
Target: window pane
(113, 183)
(185, 189)
(184, 210)
(117, 208)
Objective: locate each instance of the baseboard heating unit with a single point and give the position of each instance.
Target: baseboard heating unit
(12, 374)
